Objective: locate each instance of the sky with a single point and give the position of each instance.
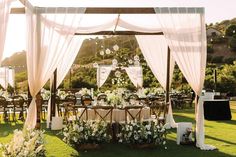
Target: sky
(215, 11)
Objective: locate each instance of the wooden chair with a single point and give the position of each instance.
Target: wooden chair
(69, 104)
(103, 113)
(133, 99)
(44, 107)
(60, 106)
(86, 100)
(157, 108)
(18, 106)
(130, 114)
(4, 110)
(102, 96)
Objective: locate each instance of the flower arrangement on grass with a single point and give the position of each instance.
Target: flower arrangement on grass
(140, 133)
(78, 133)
(27, 142)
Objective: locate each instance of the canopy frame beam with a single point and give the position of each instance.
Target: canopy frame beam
(120, 33)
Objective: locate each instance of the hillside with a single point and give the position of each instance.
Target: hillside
(17, 61)
(223, 24)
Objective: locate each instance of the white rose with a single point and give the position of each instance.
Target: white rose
(81, 129)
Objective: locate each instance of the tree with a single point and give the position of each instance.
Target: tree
(232, 43)
(230, 30)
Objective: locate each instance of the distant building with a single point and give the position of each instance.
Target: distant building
(212, 32)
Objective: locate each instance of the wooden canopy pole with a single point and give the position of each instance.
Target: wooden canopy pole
(167, 99)
(53, 95)
(38, 96)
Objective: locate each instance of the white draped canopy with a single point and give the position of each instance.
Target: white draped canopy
(4, 15)
(7, 76)
(155, 51)
(51, 37)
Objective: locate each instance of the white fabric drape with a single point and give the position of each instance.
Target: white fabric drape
(4, 75)
(7, 76)
(102, 74)
(186, 36)
(4, 16)
(123, 24)
(11, 77)
(155, 49)
(68, 59)
(64, 67)
(135, 74)
(46, 48)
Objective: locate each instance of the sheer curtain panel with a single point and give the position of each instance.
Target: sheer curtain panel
(46, 48)
(4, 16)
(186, 36)
(135, 74)
(155, 49)
(102, 74)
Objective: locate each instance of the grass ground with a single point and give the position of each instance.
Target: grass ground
(221, 134)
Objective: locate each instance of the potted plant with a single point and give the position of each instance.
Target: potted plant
(26, 142)
(142, 134)
(86, 134)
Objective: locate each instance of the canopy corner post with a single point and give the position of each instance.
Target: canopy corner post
(53, 95)
(39, 103)
(167, 96)
(29, 96)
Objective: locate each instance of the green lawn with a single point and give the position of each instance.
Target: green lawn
(221, 134)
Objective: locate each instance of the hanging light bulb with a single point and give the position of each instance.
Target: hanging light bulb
(108, 51)
(114, 62)
(136, 58)
(130, 61)
(95, 65)
(136, 63)
(116, 47)
(102, 53)
(118, 74)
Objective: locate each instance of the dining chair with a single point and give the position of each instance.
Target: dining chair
(133, 99)
(103, 113)
(157, 108)
(86, 100)
(133, 112)
(69, 104)
(4, 110)
(18, 107)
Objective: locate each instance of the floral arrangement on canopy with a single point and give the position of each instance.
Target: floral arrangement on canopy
(78, 133)
(27, 142)
(139, 133)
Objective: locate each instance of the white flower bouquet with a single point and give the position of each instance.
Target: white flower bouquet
(114, 98)
(28, 143)
(46, 94)
(137, 133)
(62, 94)
(77, 133)
(84, 91)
